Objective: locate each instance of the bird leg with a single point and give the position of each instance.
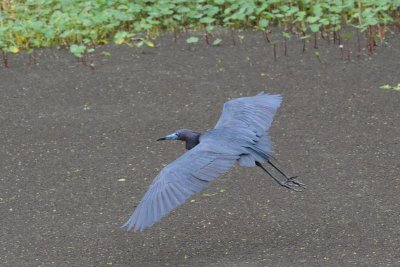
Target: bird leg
(292, 179)
(290, 182)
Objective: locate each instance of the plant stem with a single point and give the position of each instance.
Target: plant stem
(322, 34)
(358, 44)
(341, 53)
(274, 51)
(233, 37)
(266, 35)
(175, 36)
(5, 59)
(84, 59)
(304, 42)
(374, 44)
(286, 48)
(369, 41)
(381, 33)
(315, 41)
(334, 37)
(206, 37)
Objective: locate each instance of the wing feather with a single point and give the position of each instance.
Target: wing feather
(254, 112)
(187, 175)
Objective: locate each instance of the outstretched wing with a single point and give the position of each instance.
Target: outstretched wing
(254, 113)
(182, 178)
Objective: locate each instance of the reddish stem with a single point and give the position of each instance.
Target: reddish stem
(206, 37)
(370, 41)
(5, 59)
(315, 41)
(358, 44)
(285, 43)
(84, 59)
(304, 42)
(381, 33)
(266, 35)
(322, 34)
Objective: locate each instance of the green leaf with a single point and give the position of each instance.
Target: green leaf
(286, 35)
(77, 50)
(209, 28)
(301, 15)
(284, 8)
(149, 43)
(217, 41)
(208, 195)
(192, 40)
(317, 10)
(314, 27)
(263, 23)
(13, 49)
(86, 40)
(312, 19)
(121, 37)
(325, 22)
(386, 87)
(207, 20)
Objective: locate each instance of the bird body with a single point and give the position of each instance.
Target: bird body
(240, 136)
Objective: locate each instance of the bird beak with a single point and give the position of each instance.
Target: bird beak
(173, 136)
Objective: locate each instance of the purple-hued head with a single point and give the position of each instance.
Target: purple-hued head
(190, 137)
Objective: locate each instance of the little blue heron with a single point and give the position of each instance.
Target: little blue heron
(240, 136)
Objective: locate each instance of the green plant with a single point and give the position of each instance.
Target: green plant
(192, 40)
(83, 25)
(389, 87)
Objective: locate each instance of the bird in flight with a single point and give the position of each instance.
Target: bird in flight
(240, 136)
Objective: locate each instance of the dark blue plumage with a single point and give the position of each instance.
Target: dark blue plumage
(240, 136)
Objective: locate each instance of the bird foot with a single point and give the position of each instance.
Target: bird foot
(292, 184)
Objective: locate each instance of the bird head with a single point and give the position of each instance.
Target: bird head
(173, 136)
(182, 134)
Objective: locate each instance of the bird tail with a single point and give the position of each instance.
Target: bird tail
(261, 152)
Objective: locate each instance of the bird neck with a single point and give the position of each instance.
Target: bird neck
(192, 140)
